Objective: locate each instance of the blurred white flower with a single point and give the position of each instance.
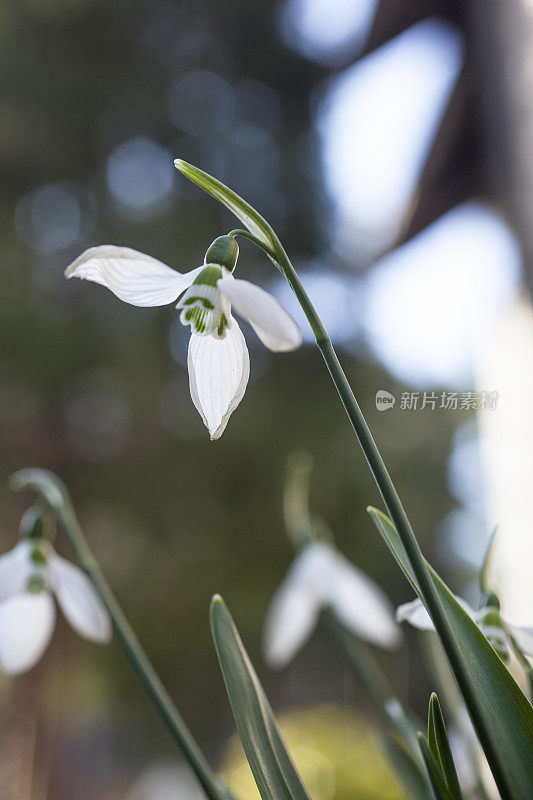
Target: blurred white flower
(29, 575)
(320, 577)
(218, 360)
(488, 619)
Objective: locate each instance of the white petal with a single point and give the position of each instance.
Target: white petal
(361, 605)
(26, 626)
(524, 638)
(291, 617)
(15, 569)
(78, 600)
(274, 326)
(294, 608)
(415, 614)
(314, 567)
(218, 375)
(134, 277)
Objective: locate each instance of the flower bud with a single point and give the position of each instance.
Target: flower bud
(223, 251)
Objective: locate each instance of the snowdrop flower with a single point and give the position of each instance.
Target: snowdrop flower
(218, 360)
(29, 575)
(488, 619)
(320, 577)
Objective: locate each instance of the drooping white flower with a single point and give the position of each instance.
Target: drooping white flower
(30, 575)
(488, 620)
(218, 360)
(320, 577)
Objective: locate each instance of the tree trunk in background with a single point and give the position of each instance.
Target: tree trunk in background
(501, 35)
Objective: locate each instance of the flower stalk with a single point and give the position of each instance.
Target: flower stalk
(55, 493)
(388, 492)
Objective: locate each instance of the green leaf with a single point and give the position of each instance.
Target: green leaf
(408, 770)
(273, 769)
(433, 769)
(500, 712)
(393, 542)
(256, 224)
(440, 747)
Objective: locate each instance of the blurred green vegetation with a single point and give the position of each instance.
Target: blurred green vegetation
(97, 390)
(337, 754)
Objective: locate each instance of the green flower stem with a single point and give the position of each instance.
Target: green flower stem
(363, 663)
(61, 505)
(375, 682)
(388, 492)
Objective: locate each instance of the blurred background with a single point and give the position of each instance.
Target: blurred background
(389, 145)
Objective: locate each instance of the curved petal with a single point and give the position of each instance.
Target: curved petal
(291, 617)
(415, 614)
(26, 626)
(274, 326)
(79, 602)
(314, 568)
(218, 375)
(134, 277)
(362, 606)
(15, 569)
(524, 638)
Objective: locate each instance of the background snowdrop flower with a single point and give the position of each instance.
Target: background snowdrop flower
(29, 575)
(320, 577)
(218, 361)
(488, 619)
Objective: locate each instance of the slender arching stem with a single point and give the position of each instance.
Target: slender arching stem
(388, 492)
(143, 667)
(58, 499)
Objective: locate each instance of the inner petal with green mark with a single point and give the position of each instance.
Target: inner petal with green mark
(202, 305)
(36, 583)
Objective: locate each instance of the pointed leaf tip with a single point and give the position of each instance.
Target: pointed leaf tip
(248, 216)
(216, 603)
(270, 762)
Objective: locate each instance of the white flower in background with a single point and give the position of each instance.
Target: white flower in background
(30, 575)
(488, 620)
(218, 360)
(320, 577)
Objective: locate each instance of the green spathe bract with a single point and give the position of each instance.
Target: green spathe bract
(502, 716)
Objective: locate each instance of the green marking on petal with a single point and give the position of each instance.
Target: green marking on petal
(36, 584)
(189, 301)
(38, 556)
(222, 325)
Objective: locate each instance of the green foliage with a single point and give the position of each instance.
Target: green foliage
(437, 755)
(272, 766)
(500, 712)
